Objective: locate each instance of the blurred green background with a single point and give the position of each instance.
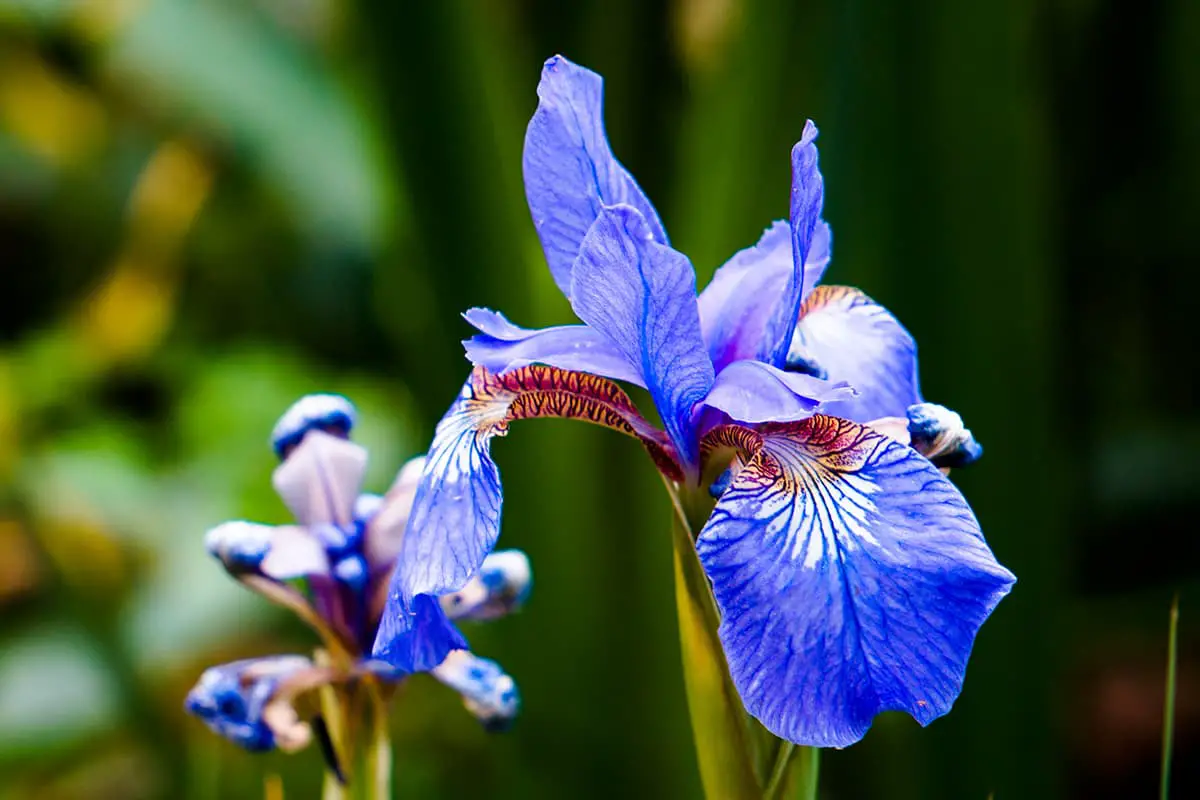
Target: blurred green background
(209, 207)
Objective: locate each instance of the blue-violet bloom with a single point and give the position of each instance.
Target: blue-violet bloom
(851, 576)
(333, 569)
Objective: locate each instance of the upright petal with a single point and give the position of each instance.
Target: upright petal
(852, 338)
(502, 346)
(455, 518)
(320, 479)
(642, 295)
(808, 196)
(739, 302)
(751, 391)
(851, 577)
(386, 518)
(570, 172)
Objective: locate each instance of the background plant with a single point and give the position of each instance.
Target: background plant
(210, 208)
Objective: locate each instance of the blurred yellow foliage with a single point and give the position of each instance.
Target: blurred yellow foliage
(59, 121)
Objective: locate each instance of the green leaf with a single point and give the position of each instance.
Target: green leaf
(718, 722)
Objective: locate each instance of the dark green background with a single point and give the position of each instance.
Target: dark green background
(1018, 181)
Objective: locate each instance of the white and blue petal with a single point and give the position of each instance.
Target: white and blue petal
(570, 171)
(281, 552)
(502, 346)
(808, 197)
(642, 296)
(487, 691)
(752, 391)
(330, 413)
(320, 479)
(249, 702)
(851, 577)
(940, 435)
(847, 336)
(501, 586)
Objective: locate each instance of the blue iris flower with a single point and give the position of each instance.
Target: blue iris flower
(850, 574)
(333, 569)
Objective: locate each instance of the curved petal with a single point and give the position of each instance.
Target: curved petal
(414, 634)
(851, 577)
(240, 701)
(751, 391)
(642, 296)
(320, 479)
(940, 435)
(502, 347)
(487, 691)
(455, 518)
(820, 251)
(808, 196)
(501, 586)
(570, 172)
(386, 518)
(740, 300)
(854, 339)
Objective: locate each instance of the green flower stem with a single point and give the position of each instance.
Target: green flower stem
(738, 758)
(1164, 788)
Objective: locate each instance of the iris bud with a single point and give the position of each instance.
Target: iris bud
(330, 413)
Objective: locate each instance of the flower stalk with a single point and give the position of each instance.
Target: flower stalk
(738, 758)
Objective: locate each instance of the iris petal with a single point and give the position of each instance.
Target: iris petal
(570, 171)
(455, 519)
(808, 196)
(487, 691)
(642, 296)
(751, 391)
(320, 479)
(281, 552)
(502, 346)
(854, 339)
(234, 700)
(415, 635)
(851, 577)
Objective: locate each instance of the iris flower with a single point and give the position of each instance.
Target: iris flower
(332, 569)
(850, 575)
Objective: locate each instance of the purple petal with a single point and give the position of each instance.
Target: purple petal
(751, 391)
(739, 301)
(570, 172)
(501, 586)
(502, 346)
(384, 536)
(854, 339)
(320, 479)
(808, 195)
(642, 296)
(851, 577)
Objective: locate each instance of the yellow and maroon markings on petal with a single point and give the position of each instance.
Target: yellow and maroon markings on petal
(539, 391)
(822, 296)
(829, 443)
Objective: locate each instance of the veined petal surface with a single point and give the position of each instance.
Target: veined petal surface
(455, 518)
(808, 197)
(415, 635)
(858, 341)
(739, 303)
(502, 346)
(570, 171)
(851, 577)
(751, 391)
(642, 296)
